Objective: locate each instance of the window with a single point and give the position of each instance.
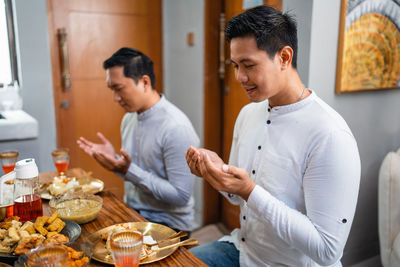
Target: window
(8, 59)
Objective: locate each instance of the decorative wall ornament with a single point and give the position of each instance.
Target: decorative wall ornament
(369, 46)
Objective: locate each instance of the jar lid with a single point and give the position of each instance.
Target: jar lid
(26, 169)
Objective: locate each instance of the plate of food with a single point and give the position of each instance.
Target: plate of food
(79, 255)
(60, 185)
(17, 238)
(152, 233)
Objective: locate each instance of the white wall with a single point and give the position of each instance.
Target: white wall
(36, 80)
(301, 11)
(372, 116)
(183, 68)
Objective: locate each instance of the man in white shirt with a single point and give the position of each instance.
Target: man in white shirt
(294, 166)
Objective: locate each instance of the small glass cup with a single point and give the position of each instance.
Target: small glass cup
(50, 256)
(61, 160)
(126, 248)
(8, 160)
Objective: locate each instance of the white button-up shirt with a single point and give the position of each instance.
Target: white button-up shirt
(306, 166)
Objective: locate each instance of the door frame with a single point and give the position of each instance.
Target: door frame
(213, 102)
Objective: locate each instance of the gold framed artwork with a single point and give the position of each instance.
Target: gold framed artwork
(369, 46)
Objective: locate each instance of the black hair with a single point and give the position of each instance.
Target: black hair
(271, 28)
(135, 63)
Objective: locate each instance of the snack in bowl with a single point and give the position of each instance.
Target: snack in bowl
(63, 184)
(20, 238)
(78, 207)
(78, 254)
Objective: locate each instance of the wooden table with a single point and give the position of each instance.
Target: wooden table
(115, 211)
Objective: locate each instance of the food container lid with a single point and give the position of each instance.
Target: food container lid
(26, 169)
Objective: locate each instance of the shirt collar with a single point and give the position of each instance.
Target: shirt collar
(149, 112)
(295, 106)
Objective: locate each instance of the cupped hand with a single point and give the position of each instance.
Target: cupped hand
(120, 165)
(105, 147)
(226, 178)
(193, 156)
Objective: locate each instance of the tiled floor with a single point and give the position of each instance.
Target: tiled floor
(372, 262)
(210, 233)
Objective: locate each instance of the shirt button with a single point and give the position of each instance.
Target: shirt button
(268, 122)
(269, 109)
(230, 195)
(344, 221)
(244, 217)
(243, 239)
(259, 147)
(253, 172)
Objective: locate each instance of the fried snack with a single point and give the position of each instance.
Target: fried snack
(76, 258)
(29, 243)
(5, 225)
(56, 239)
(3, 233)
(56, 225)
(5, 249)
(41, 230)
(13, 234)
(59, 229)
(50, 234)
(12, 218)
(8, 242)
(52, 218)
(28, 226)
(40, 221)
(39, 224)
(23, 234)
(16, 224)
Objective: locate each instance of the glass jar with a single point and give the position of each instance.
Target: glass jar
(27, 201)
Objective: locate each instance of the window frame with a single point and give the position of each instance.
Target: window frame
(11, 40)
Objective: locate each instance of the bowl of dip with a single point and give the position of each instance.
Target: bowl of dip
(77, 207)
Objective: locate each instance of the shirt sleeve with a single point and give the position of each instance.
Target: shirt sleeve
(331, 184)
(176, 188)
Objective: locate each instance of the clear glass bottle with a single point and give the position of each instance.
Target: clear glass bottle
(27, 201)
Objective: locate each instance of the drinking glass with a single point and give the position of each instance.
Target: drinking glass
(50, 256)
(8, 159)
(61, 160)
(126, 248)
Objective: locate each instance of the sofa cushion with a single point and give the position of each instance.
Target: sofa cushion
(389, 205)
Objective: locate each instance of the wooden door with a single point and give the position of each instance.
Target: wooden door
(94, 30)
(234, 99)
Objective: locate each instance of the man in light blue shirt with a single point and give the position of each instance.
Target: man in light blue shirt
(155, 137)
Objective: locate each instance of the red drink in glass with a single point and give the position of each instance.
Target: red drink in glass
(8, 160)
(8, 168)
(10, 211)
(61, 160)
(61, 166)
(28, 207)
(127, 261)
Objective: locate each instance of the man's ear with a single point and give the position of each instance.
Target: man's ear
(286, 57)
(146, 82)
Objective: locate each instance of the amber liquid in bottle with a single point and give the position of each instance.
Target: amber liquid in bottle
(28, 207)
